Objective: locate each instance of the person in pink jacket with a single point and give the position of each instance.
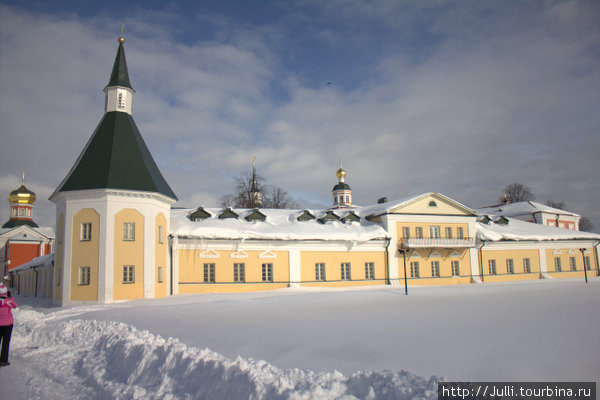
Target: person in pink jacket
(7, 303)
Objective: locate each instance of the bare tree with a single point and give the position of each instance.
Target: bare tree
(277, 197)
(242, 197)
(561, 205)
(585, 225)
(516, 192)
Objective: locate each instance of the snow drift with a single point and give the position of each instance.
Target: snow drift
(108, 359)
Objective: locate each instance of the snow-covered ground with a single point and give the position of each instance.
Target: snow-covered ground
(316, 343)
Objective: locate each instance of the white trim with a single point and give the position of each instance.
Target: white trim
(208, 253)
(238, 254)
(267, 254)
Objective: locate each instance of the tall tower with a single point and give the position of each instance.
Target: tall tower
(255, 194)
(342, 193)
(21, 207)
(113, 209)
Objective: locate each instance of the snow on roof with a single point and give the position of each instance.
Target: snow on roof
(36, 262)
(522, 230)
(45, 231)
(278, 225)
(522, 208)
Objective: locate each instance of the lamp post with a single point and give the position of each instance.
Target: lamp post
(584, 266)
(403, 251)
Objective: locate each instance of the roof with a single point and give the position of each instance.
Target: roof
(12, 223)
(120, 75)
(22, 232)
(379, 209)
(522, 230)
(342, 186)
(116, 157)
(278, 225)
(522, 208)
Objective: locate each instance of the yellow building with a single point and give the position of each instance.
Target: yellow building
(117, 237)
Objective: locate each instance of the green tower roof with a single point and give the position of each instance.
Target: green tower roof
(116, 157)
(119, 75)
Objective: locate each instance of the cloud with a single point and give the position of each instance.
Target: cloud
(457, 97)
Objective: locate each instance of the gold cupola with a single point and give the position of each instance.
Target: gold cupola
(22, 195)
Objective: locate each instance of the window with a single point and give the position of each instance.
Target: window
(121, 100)
(345, 271)
(84, 276)
(557, 264)
(435, 269)
(419, 232)
(267, 272)
(455, 268)
(129, 231)
(160, 234)
(239, 272)
(128, 274)
(526, 265)
(160, 275)
(434, 232)
(510, 266)
(492, 267)
(209, 273)
(460, 234)
(573, 263)
(414, 269)
(586, 261)
(449, 232)
(86, 232)
(320, 271)
(405, 232)
(369, 270)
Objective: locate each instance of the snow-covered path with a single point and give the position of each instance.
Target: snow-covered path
(546, 330)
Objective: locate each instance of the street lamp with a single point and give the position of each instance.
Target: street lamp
(584, 266)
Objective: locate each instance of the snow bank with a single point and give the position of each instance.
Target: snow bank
(105, 359)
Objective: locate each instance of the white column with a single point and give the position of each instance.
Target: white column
(175, 265)
(294, 265)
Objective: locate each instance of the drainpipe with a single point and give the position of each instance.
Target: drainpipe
(387, 261)
(171, 264)
(481, 260)
(403, 251)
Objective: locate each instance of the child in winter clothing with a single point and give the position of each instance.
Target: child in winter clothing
(7, 303)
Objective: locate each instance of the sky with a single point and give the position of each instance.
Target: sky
(456, 97)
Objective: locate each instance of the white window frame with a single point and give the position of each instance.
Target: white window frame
(267, 272)
(455, 268)
(161, 234)
(320, 272)
(492, 267)
(370, 270)
(526, 265)
(346, 271)
(160, 274)
(406, 232)
(510, 266)
(557, 264)
(573, 263)
(448, 232)
(84, 276)
(239, 272)
(209, 272)
(128, 274)
(460, 232)
(129, 231)
(414, 269)
(435, 269)
(588, 262)
(86, 232)
(419, 232)
(435, 232)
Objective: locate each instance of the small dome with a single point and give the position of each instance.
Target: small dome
(22, 195)
(341, 174)
(342, 186)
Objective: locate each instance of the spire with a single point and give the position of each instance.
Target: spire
(120, 75)
(255, 194)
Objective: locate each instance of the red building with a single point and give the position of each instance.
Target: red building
(21, 239)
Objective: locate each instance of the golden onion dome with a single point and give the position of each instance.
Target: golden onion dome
(341, 174)
(22, 195)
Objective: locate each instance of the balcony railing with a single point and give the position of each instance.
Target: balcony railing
(437, 242)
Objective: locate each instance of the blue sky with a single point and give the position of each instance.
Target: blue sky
(462, 98)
